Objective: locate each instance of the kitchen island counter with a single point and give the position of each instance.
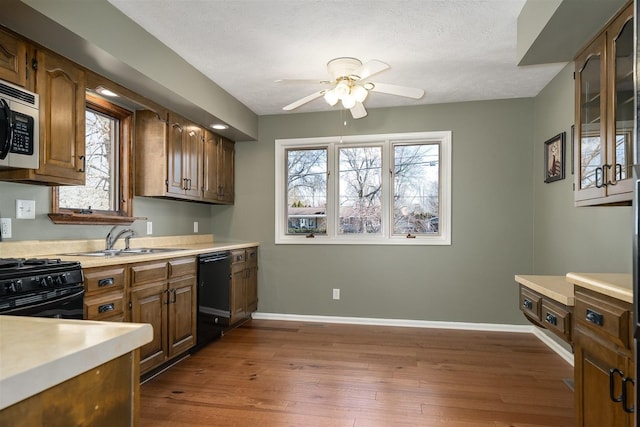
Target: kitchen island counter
(39, 353)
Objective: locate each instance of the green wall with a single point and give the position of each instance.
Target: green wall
(170, 218)
(469, 281)
(567, 238)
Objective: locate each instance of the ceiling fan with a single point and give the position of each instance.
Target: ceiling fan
(350, 85)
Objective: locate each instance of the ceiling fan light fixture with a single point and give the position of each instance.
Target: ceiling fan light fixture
(331, 97)
(342, 89)
(348, 101)
(359, 93)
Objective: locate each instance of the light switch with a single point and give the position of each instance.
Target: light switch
(25, 209)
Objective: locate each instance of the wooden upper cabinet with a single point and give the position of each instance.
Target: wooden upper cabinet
(15, 58)
(226, 171)
(176, 158)
(219, 162)
(61, 86)
(604, 115)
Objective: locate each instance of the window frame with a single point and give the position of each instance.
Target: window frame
(386, 237)
(124, 213)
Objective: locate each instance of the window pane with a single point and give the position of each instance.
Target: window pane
(360, 210)
(99, 190)
(415, 186)
(306, 191)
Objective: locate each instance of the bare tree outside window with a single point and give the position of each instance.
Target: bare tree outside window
(415, 188)
(360, 190)
(99, 190)
(307, 191)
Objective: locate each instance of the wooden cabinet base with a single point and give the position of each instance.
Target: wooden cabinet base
(108, 395)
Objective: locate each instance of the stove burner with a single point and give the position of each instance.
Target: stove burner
(13, 263)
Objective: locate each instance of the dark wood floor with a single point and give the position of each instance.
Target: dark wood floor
(273, 373)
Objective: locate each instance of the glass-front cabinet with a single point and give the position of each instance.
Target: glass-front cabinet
(604, 115)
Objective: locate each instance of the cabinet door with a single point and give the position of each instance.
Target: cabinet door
(177, 128)
(211, 154)
(14, 60)
(192, 160)
(593, 362)
(252, 281)
(61, 86)
(226, 170)
(621, 98)
(237, 303)
(149, 305)
(182, 315)
(590, 121)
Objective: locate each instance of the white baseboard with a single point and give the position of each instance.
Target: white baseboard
(490, 327)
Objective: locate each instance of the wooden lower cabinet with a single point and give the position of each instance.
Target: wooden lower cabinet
(163, 294)
(104, 297)
(244, 284)
(603, 360)
(107, 395)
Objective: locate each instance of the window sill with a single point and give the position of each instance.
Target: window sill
(87, 219)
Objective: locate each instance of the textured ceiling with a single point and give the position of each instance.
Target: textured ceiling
(456, 50)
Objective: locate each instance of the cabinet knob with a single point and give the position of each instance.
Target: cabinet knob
(612, 386)
(527, 304)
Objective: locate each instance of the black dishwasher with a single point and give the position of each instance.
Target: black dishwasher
(214, 276)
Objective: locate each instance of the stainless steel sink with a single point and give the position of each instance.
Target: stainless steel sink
(125, 252)
(149, 250)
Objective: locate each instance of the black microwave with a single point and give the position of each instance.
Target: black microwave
(19, 121)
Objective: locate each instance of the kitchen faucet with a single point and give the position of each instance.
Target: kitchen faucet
(111, 240)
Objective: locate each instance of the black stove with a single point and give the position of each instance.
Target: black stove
(29, 284)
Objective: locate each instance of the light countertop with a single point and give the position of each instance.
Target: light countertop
(554, 287)
(616, 285)
(189, 245)
(38, 353)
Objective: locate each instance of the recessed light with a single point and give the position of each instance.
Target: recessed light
(106, 92)
(219, 126)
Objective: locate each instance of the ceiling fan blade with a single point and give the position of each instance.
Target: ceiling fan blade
(302, 81)
(408, 92)
(358, 111)
(303, 101)
(370, 68)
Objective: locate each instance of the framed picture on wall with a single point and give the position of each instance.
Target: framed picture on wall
(554, 150)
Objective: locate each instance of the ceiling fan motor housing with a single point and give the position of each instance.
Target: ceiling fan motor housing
(343, 68)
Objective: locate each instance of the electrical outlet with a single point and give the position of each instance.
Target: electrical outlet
(195, 226)
(149, 227)
(5, 223)
(336, 293)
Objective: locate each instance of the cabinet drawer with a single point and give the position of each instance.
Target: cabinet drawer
(103, 279)
(238, 256)
(148, 272)
(557, 319)
(100, 308)
(605, 316)
(252, 255)
(530, 303)
(182, 267)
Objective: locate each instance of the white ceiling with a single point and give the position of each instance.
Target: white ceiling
(456, 50)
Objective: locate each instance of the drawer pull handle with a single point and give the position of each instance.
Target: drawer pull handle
(106, 282)
(527, 304)
(594, 317)
(625, 381)
(550, 318)
(106, 307)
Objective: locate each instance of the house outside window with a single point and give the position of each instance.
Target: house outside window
(366, 189)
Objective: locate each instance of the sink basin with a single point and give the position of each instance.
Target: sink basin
(149, 250)
(124, 252)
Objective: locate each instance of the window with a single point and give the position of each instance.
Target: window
(106, 196)
(368, 189)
